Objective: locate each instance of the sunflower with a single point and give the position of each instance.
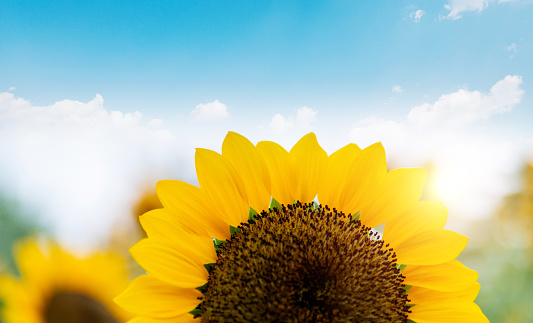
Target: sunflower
(277, 236)
(56, 287)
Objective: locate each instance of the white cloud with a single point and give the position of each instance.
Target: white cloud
(305, 116)
(513, 48)
(279, 124)
(155, 123)
(78, 165)
(416, 16)
(397, 89)
(457, 7)
(463, 107)
(210, 111)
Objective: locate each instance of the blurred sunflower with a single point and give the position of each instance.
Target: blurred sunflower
(250, 245)
(56, 287)
(127, 230)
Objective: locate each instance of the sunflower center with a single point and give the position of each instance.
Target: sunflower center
(67, 307)
(298, 264)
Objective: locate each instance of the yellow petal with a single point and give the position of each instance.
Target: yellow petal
(401, 189)
(425, 296)
(276, 158)
(431, 247)
(363, 180)
(184, 318)
(422, 216)
(307, 164)
(189, 244)
(150, 222)
(251, 168)
(467, 312)
(187, 204)
(168, 264)
(223, 187)
(337, 167)
(148, 296)
(447, 277)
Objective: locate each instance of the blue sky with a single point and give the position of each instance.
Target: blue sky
(430, 79)
(164, 58)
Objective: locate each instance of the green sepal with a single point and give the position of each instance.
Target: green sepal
(356, 216)
(202, 288)
(251, 214)
(196, 311)
(233, 230)
(217, 243)
(402, 267)
(209, 267)
(316, 206)
(274, 204)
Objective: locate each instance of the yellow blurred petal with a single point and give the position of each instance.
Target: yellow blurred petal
(447, 277)
(431, 247)
(307, 165)
(187, 203)
(363, 180)
(337, 167)
(276, 158)
(168, 264)
(401, 189)
(422, 216)
(33, 265)
(184, 318)
(223, 187)
(148, 296)
(466, 312)
(425, 296)
(191, 245)
(251, 168)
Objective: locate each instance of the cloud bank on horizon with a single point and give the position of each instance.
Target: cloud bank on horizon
(79, 164)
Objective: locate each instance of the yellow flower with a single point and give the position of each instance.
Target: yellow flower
(300, 262)
(55, 287)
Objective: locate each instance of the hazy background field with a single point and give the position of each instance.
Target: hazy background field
(100, 100)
